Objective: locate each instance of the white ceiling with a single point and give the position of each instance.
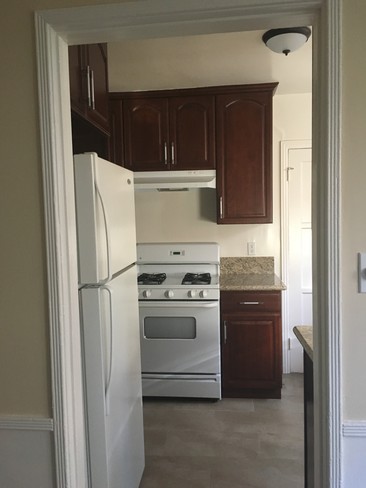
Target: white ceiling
(214, 59)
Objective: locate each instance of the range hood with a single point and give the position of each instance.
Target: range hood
(174, 180)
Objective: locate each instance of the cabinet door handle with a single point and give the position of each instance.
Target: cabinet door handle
(88, 85)
(221, 208)
(172, 152)
(92, 89)
(251, 303)
(165, 153)
(225, 332)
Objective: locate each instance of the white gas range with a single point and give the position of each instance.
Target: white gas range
(179, 319)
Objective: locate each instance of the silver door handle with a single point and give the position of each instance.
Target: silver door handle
(165, 153)
(225, 332)
(221, 208)
(172, 153)
(88, 85)
(288, 169)
(92, 89)
(251, 303)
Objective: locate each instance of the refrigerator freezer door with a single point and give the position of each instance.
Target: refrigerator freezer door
(111, 353)
(105, 214)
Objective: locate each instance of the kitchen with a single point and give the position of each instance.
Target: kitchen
(157, 213)
(26, 348)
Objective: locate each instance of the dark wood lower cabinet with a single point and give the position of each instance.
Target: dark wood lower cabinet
(309, 421)
(251, 341)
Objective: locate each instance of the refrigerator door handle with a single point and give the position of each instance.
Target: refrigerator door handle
(107, 236)
(110, 362)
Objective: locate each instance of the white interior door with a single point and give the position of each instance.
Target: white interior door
(297, 247)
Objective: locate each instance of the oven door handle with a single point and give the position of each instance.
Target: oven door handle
(178, 304)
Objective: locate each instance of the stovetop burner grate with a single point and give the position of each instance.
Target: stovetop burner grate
(196, 279)
(151, 278)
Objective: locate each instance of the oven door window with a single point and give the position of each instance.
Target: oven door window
(170, 328)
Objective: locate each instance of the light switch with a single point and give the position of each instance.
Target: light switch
(362, 272)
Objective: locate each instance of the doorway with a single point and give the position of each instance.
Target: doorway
(147, 18)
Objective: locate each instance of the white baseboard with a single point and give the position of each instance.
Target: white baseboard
(353, 454)
(26, 453)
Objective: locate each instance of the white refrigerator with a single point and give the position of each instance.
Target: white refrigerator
(105, 215)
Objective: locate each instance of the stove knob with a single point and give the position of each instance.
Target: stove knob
(169, 294)
(192, 293)
(203, 293)
(146, 293)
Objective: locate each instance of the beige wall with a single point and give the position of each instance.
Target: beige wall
(353, 235)
(213, 59)
(24, 335)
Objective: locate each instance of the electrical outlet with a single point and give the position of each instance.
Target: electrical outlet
(251, 248)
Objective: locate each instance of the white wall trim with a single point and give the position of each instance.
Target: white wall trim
(326, 246)
(164, 18)
(354, 428)
(15, 422)
(285, 147)
(56, 145)
(168, 17)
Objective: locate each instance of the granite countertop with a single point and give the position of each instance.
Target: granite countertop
(305, 335)
(254, 282)
(249, 274)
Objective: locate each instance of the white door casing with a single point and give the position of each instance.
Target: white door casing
(157, 18)
(296, 248)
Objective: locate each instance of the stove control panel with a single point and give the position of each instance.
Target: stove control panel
(160, 293)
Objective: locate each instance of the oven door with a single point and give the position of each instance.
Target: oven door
(180, 337)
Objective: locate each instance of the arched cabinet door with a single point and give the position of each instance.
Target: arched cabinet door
(192, 132)
(146, 133)
(244, 155)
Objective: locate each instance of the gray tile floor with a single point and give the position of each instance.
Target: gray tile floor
(232, 443)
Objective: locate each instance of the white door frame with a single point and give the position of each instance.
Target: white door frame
(57, 28)
(285, 147)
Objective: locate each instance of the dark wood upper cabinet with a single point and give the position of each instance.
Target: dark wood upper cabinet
(166, 132)
(244, 155)
(116, 148)
(146, 133)
(97, 62)
(192, 132)
(88, 68)
(78, 89)
(224, 127)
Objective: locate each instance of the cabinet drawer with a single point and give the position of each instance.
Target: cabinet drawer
(242, 302)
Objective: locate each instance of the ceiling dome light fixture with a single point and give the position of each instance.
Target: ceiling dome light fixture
(286, 40)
